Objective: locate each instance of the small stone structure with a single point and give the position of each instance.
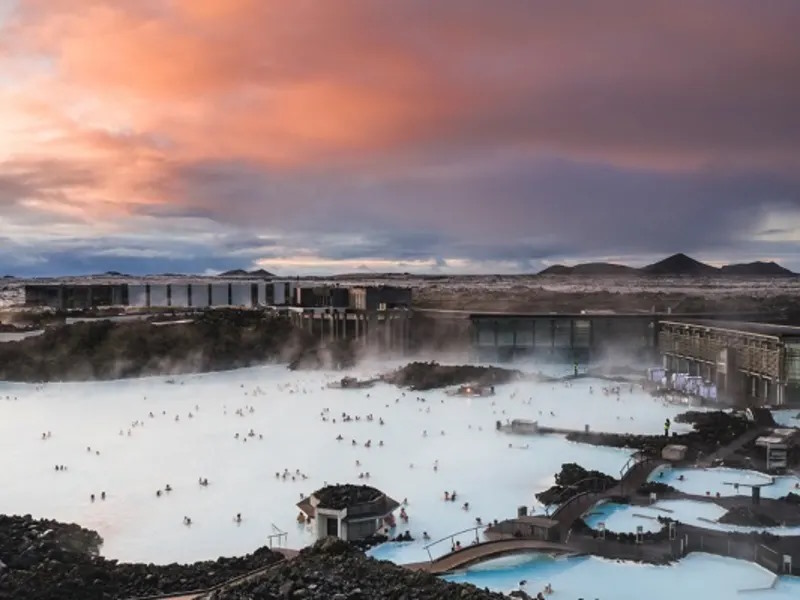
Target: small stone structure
(349, 512)
(779, 444)
(529, 527)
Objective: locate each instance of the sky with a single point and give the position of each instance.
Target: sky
(456, 136)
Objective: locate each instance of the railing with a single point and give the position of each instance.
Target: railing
(592, 495)
(452, 537)
(279, 535)
(602, 485)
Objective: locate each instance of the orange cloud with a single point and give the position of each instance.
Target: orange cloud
(132, 90)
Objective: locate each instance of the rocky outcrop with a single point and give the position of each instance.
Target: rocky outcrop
(334, 570)
(572, 480)
(432, 375)
(791, 498)
(711, 430)
(48, 560)
(748, 516)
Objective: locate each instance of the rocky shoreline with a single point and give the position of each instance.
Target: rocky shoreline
(48, 560)
(711, 430)
(335, 570)
(574, 479)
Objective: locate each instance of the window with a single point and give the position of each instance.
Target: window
(332, 528)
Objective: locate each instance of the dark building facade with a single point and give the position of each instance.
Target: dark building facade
(751, 363)
(380, 297)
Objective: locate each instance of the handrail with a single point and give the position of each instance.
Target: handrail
(571, 488)
(450, 537)
(573, 500)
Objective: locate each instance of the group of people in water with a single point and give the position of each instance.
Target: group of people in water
(286, 475)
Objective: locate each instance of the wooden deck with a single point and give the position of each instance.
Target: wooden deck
(476, 553)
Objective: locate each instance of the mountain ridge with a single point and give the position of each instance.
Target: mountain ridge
(677, 265)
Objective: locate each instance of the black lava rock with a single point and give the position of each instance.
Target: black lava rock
(48, 560)
(335, 570)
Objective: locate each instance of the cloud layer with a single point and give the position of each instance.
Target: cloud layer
(188, 135)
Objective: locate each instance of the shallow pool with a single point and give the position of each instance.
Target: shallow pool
(724, 481)
(696, 577)
(623, 518)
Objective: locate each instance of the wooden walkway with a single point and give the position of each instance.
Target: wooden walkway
(736, 445)
(476, 553)
(631, 480)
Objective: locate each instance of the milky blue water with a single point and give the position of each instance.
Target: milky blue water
(495, 472)
(625, 518)
(696, 577)
(722, 480)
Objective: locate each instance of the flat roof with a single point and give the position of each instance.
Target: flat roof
(768, 329)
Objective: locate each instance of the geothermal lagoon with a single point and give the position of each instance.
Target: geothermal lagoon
(238, 429)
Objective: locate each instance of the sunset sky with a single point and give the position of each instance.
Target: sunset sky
(440, 136)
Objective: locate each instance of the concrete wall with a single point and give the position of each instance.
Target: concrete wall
(279, 293)
(137, 296)
(262, 294)
(158, 295)
(219, 294)
(199, 295)
(242, 294)
(179, 295)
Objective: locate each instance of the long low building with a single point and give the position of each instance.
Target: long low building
(209, 293)
(159, 294)
(754, 363)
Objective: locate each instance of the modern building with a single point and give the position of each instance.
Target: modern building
(159, 295)
(750, 363)
(381, 297)
(321, 296)
(179, 295)
(349, 512)
(75, 296)
(563, 336)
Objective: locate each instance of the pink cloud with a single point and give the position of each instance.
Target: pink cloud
(133, 91)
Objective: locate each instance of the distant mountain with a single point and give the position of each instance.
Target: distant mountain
(680, 264)
(758, 268)
(595, 268)
(676, 265)
(261, 273)
(243, 273)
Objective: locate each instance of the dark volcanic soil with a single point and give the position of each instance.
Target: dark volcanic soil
(572, 480)
(47, 560)
(334, 570)
(711, 430)
(432, 375)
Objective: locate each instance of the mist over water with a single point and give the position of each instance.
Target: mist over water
(473, 458)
